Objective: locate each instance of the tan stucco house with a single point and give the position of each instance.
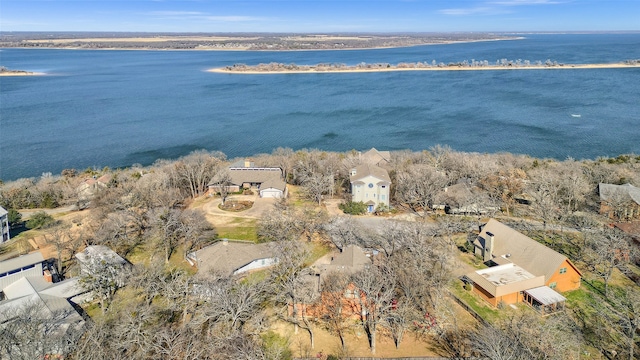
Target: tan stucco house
(521, 270)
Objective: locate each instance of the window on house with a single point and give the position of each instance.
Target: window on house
(381, 197)
(553, 285)
(383, 186)
(563, 270)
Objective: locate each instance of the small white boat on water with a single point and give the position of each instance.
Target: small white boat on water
(576, 115)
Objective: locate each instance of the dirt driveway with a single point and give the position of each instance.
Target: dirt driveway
(260, 207)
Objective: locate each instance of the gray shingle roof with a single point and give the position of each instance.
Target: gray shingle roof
(20, 262)
(609, 191)
(99, 252)
(365, 170)
(230, 256)
(352, 259)
(376, 157)
(267, 177)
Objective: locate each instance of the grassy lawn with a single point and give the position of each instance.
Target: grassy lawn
(474, 302)
(296, 197)
(93, 310)
(239, 229)
(318, 250)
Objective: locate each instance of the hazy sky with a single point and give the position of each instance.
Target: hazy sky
(319, 15)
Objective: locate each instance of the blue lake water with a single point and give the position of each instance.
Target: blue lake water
(117, 108)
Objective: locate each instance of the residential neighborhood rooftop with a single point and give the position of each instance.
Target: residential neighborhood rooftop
(229, 256)
(364, 170)
(505, 279)
(545, 295)
(611, 191)
(20, 262)
(515, 247)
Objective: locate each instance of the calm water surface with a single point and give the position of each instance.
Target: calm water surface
(117, 108)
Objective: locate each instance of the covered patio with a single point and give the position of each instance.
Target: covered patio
(545, 300)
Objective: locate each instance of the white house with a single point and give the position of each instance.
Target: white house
(4, 225)
(370, 184)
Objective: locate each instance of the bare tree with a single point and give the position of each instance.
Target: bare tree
(418, 186)
(175, 227)
(222, 180)
(607, 249)
(60, 238)
(335, 315)
(194, 171)
(495, 344)
(505, 186)
(316, 185)
(283, 157)
(345, 230)
(623, 317)
(33, 331)
(376, 291)
(400, 318)
(293, 288)
(103, 277)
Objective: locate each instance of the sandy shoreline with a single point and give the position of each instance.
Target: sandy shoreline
(20, 73)
(446, 68)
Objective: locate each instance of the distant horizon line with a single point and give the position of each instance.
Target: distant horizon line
(550, 32)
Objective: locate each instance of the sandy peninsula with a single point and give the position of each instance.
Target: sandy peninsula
(7, 72)
(310, 69)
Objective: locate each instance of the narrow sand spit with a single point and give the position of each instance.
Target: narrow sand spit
(313, 69)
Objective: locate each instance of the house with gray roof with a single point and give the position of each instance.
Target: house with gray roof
(518, 264)
(4, 225)
(46, 305)
(268, 181)
(14, 269)
(101, 259)
(621, 202)
(375, 157)
(350, 260)
(233, 257)
(370, 184)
